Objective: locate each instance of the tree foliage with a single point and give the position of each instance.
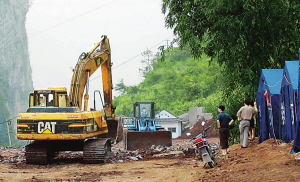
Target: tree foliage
(244, 35)
(178, 83)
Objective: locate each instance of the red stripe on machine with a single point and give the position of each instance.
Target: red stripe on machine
(25, 116)
(72, 116)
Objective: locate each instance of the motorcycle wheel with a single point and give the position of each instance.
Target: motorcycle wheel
(211, 164)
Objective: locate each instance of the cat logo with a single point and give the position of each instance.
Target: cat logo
(46, 128)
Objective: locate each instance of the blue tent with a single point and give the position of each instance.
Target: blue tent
(268, 103)
(296, 147)
(288, 93)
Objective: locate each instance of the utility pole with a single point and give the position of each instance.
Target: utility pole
(167, 43)
(8, 132)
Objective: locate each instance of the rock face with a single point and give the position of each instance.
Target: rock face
(15, 71)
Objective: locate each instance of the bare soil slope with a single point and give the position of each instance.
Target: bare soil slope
(269, 161)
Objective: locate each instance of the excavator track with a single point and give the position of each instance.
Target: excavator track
(96, 150)
(38, 153)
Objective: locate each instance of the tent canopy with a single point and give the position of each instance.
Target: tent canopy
(292, 74)
(270, 81)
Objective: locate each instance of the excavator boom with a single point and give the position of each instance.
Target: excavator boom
(87, 64)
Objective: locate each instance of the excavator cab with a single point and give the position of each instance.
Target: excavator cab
(51, 97)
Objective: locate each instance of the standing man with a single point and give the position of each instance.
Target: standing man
(245, 114)
(252, 128)
(223, 121)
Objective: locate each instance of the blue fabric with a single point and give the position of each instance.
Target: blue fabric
(274, 122)
(296, 131)
(289, 90)
(284, 136)
(268, 118)
(292, 67)
(293, 75)
(294, 124)
(262, 117)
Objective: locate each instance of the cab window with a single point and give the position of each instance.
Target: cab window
(62, 100)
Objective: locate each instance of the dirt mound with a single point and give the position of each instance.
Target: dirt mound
(197, 128)
(269, 161)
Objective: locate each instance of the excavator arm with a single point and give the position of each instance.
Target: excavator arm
(87, 64)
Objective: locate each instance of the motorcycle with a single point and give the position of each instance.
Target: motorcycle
(203, 150)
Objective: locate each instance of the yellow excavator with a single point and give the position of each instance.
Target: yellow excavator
(55, 121)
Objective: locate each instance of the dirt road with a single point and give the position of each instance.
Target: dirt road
(269, 161)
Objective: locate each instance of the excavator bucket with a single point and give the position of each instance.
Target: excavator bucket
(145, 139)
(115, 130)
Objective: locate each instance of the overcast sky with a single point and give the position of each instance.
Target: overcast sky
(59, 31)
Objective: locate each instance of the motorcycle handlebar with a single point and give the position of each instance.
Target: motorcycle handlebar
(207, 128)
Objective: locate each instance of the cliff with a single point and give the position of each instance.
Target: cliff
(15, 71)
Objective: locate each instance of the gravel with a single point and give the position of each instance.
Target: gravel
(118, 153)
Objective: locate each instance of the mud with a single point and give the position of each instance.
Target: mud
(268, 161)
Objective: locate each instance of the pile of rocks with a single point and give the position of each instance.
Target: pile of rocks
(122, 155)
(118, 153)
(11, 155)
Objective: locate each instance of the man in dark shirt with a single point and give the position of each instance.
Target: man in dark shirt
(223, 121)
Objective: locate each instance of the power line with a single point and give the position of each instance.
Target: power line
(57, 25)
(131, 58)
(8, 120)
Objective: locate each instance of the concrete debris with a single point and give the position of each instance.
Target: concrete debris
(118, 153)
(155, 151)
(12, 155)
(171, 153)
(283, 144)
(133, 158)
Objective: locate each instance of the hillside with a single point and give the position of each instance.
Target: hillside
(178, 83)
(15, 76)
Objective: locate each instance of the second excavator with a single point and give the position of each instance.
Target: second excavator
(55, 121)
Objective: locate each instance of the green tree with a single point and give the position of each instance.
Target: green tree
(178, 83)
(121, 87)
(147, 62)
(244, 35)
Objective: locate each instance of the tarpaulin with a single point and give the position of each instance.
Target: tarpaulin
(268, 103)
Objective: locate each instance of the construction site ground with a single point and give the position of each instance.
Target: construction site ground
(268, 161)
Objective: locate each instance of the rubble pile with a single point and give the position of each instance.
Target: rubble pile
(118, 153)
(11, 155)
(197, 128)
(122, 155)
